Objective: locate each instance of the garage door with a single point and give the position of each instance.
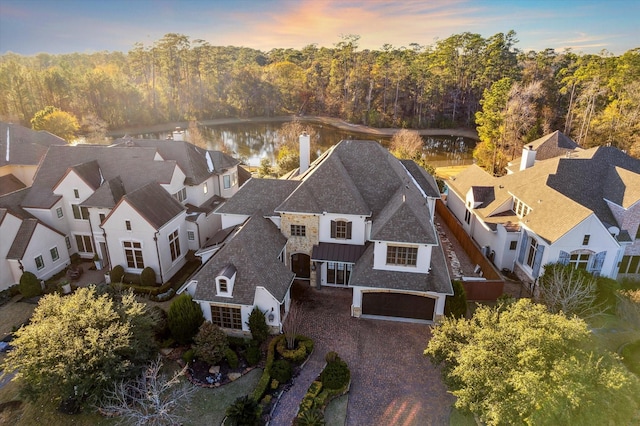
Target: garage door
(398, 305)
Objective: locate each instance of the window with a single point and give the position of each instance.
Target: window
(585, 240)
(341, 229)
(127, 224)
(84, 243)
(629, 265)
(76, 193)
(191, 236)
(174, 245)
(54, 254)
(513, 245)
(298, 231)
(338, 273)
(533, 247)
(205, 188)
(521, 209)
(467, 216)
(80, 212)
(59, 212)
(226, 317)
(402, 255)
(68, 241)
(227, 181)
(181, 195)
(39, 262)
(133, 253)
(224, 288)
(101, 216)
(579, 260)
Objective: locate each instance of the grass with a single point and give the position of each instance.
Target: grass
(13, 314)
(458, 418)
(336, 412)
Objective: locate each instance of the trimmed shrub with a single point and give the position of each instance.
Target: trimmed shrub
(232, 358)
(281, 370)
(335, 375)
(274, 384)
(298, 354)
(188, 356)
(331, 356)
(210, 344)
(253, 355)
(258, 325)
(184, 318)
(456, 305)
(244, 411)
(161, 323)
(117, 273)
(265, 379)
(29, 285)
(148, 277)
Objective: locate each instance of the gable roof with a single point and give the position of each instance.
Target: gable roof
(258, 194)
(256, 264)
(24, 236)
(154, 204)
(107, 195)
(548, 146)
(425, 181)
(20, 145)
(405, 218)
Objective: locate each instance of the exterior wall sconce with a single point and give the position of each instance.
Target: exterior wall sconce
(313, 266)
(271, 317)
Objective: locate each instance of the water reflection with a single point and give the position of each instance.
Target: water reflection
(251, 142)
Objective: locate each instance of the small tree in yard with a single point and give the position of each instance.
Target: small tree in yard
(152, 398)
(456, 305)
(563, 288)
(210, 344)
(29, 285)
(184, 318)
(292, 324)
(258, 325)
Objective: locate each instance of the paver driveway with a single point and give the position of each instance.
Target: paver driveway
(392, 382)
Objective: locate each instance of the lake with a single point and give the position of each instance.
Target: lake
(251, 142)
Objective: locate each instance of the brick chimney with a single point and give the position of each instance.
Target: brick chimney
(305, 151)
(528, 157)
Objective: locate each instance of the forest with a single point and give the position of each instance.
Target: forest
(464, 80)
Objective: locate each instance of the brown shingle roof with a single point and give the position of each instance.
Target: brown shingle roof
(154, 204)
(10, 183)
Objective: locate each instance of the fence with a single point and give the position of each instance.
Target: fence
(493, 286)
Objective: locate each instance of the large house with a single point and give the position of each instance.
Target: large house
(570, 205)
(137, 203)
(356, 218)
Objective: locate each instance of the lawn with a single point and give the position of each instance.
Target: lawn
(13, 314)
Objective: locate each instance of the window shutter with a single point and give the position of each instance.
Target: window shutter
(523, 247)
(598, 262)
(333, 229)
(564, 257)
(537, 261)
(348, 230)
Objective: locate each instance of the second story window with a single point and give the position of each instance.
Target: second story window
(298, 231)
(127, 224)
(226, 181)
(101, 216)
(341, 229)
(191, 236)
(174, 245)
(59, 212)
(205, 188)
(181, 195)
(76, 193)
(585, 240)
(397, 255)
(80, 212)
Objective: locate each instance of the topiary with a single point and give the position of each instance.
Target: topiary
(258, 325)
(210, 344)
(281, 370)
(253, 355)
(29, 285)
(232, 358)
(184, 318)
(117, 273)
(335, 375)
(148, 277)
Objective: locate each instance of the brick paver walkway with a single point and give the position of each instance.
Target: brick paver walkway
(392, 382)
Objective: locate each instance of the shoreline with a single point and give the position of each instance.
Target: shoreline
(335, 122)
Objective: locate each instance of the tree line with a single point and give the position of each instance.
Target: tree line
(594, 99)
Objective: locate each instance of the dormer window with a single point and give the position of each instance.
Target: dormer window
(223, 285)
(521, 208)
(225, 281)
(341, 229)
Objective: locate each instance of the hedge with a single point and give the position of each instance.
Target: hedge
(318, 395)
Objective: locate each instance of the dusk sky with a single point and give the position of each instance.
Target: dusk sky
(29, 27)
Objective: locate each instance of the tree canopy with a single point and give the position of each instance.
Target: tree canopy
(520, 364)
(54, 121)
(78, 345)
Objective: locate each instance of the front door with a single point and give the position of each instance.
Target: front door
(301, 265)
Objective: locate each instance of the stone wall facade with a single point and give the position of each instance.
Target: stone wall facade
(297, 244)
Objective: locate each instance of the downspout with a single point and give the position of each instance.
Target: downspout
(93, 239)
(155, 238)
(106, 246)
(198, 228)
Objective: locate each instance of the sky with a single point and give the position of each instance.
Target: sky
(29, 27)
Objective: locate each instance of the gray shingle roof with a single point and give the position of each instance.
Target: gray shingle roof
(25, 146)
(21, 241)
(108, 195)
(256, 264)
(13, 203)
(259, 194)
(90, 173)
(406, 218)
(10, 183)
(426, 182)
(154, 204)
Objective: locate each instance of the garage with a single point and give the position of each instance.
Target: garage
(399, 305)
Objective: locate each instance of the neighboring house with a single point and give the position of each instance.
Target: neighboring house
(21, 150)
(581, 207)
(357, 218)
(157, 196)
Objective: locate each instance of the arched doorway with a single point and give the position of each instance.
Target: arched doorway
(301, 265)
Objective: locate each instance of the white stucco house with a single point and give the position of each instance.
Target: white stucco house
(575, 206)
(356, 217)
(135, 203)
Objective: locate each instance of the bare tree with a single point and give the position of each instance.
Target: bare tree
(407, 145)
(150, 399)
(571, 291)
(293, 323)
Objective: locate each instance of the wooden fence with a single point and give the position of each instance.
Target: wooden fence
(493, 286)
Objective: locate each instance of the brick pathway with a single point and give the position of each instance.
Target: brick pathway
(392, 382)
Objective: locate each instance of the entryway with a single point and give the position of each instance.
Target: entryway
(301, 265)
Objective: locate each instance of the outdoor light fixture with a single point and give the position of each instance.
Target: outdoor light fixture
(271, 317)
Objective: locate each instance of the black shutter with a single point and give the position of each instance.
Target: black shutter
(333, 229)
(348, 230)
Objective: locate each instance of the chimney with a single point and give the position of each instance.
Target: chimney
(305, 151)
(528, 157)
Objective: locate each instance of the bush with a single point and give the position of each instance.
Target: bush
(184, 318)
(281, 370)
(456, 305)
(161, 323)
(606, 289)
(210, 344)
(244, 411)
(312, 417)
(335, 375)
(29, 285)
(331, 356)
(265, 379)
(188, 356)
(148, 277)
(258, 325)
(253, 355)
(298, 354)
(232, 358)
(117, 273)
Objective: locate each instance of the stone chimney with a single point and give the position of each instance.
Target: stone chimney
(305, 151)
(528, 157)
